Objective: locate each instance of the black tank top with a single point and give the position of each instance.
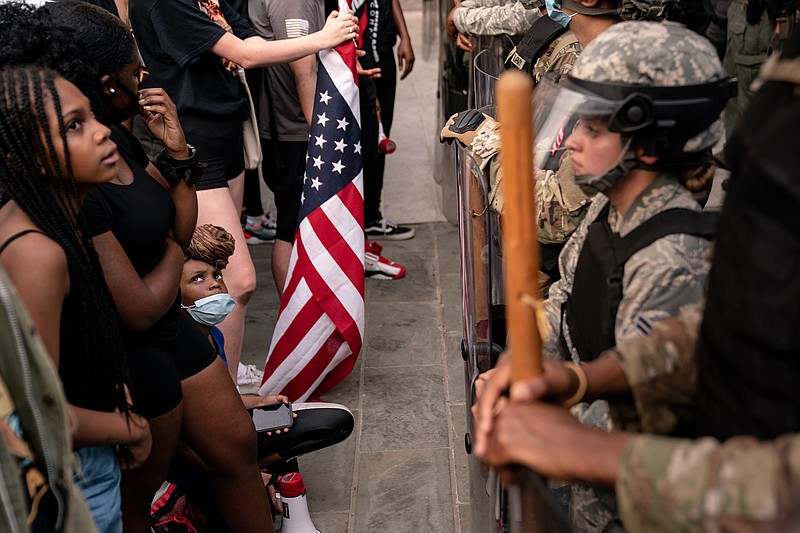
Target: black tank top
(139, 214)
(84, 386)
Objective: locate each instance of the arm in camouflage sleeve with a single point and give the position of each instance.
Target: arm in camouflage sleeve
(511, 19)
(661, 371)
(742, 485)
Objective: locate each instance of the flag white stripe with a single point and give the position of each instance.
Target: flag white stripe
(295, 362)
(302, 294)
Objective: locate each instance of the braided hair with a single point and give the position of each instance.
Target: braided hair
(211, 244)
(46, 191)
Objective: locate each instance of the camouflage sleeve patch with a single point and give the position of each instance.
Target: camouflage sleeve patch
(680, 485)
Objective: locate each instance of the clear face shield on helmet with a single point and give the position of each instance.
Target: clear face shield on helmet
(570, 123)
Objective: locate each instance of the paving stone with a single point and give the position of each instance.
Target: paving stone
(455, 368)
(403, 334)
(418, 285)
(448, 248)
(405, 492)
(464, 518)
(331, 522)
(403, 408)
(458, 415)
(328, 474)
(451, 302)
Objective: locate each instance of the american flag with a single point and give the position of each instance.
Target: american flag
(321, 319)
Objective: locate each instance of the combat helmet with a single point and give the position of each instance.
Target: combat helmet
(652, 10)
(659, 85)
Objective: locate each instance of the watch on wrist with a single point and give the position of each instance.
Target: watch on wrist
(174, 170)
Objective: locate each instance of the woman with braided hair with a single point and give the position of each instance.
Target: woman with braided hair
(54, 151)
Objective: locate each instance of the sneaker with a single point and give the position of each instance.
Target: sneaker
(387, 230)
(378, 267)
(259, 230)
(249, 375)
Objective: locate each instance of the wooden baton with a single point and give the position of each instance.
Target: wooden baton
(520, 235)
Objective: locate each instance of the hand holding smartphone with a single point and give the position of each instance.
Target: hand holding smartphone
(272, 417)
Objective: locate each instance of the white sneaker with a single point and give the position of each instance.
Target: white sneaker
(249, 375)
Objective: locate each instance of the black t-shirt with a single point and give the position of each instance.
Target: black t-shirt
(139, 214)
(380, 34)
(175, 38)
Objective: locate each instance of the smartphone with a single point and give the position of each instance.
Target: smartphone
(272, 417)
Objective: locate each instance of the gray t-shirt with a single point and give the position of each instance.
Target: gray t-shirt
(276, 20)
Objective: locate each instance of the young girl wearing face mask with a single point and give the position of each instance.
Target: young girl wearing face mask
(205, 298)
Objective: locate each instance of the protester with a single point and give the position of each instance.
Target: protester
(55, 150)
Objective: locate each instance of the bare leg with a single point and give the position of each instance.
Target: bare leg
(140, 485)
(218, 207)
(217, 427)
(281, 254)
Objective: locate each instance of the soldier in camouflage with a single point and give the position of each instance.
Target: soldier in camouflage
(620, 147)
(749, 326)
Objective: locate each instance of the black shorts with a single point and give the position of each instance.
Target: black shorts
(219, 145)
(158, 366)
(285, 183)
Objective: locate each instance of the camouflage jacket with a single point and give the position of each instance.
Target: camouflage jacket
(495, 17)
(559, 57)
(666, 484)
(658, 280)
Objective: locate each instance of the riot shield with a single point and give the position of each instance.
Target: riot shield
(476, 345)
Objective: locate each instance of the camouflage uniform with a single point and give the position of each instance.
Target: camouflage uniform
(659, 280)
(496, 17)
(746, 51)
(668, 484)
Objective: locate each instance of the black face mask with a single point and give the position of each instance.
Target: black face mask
(133, 109)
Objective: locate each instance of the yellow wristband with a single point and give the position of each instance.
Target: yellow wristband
(582, 384)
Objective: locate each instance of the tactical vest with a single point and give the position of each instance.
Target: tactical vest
(749, 348)
(536, 40)
(589, 314)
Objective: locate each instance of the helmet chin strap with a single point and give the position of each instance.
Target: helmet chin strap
(574, 5)
(591, 185)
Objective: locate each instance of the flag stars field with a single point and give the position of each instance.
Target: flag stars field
(316, 184)
(342, 124)
(338, 166)
(318, 162)
(357, 147)
(340, 145)
(322, 119)
(320, 141)
(324, 98)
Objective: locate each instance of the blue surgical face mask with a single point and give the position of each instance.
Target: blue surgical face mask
(555, 13)
(211, 310)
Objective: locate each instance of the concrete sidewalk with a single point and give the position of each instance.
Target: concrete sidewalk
(404, 468)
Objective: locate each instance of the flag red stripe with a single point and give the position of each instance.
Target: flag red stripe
(331, 304)
(307, 317)
(301, 383)
(340, 250)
